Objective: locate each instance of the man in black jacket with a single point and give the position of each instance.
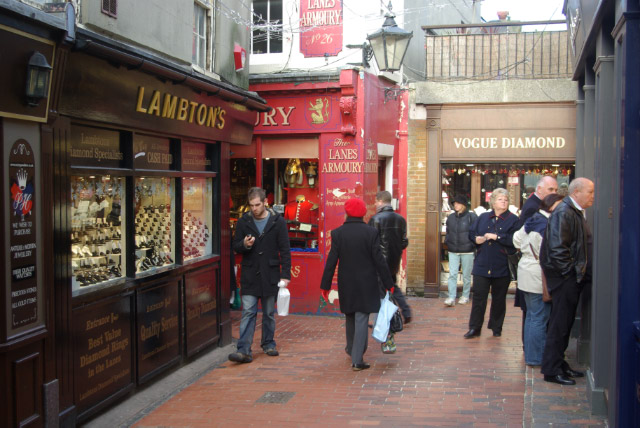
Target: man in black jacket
(460, 248)
(357, 247)
(565, 257)
(262, 239)
(392, 229)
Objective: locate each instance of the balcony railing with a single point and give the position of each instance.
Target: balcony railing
(501, 52)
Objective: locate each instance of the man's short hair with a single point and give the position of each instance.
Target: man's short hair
(256, 192)
(542, 180)
(384, 196)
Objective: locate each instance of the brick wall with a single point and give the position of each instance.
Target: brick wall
(416, 196)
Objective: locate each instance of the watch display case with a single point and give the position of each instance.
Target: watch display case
(196, 218)
(153, 223)
(97, 230)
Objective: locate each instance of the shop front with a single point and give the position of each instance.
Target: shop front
(308, 156)
(139, 167)
(480, 148)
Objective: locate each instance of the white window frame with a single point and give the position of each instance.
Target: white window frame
(209, 56)
(268, 33)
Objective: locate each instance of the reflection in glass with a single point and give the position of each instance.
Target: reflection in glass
(97, 230)
(196, 218)
(153, 223)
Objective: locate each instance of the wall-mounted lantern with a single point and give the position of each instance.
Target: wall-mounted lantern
(38, 71)
(390, 44)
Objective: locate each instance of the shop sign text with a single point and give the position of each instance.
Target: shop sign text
(170, 106)
(509, 143)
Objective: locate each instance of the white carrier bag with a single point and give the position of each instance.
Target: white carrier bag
(283, 300)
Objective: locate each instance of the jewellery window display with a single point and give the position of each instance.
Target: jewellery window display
(153, 223)
(196, 217)
(97, 232)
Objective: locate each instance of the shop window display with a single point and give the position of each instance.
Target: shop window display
(154, 243)
(97, 231)
(291, 186)
(196, 218)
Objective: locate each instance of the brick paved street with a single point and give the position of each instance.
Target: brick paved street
(436, 378)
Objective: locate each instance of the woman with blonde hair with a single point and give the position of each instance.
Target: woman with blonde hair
(493, 235)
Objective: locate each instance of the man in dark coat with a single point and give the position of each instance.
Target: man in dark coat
(392, 230)
(357, 247)
(262, 239)
(565, 258)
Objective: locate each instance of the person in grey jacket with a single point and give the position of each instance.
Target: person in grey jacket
(461, 249)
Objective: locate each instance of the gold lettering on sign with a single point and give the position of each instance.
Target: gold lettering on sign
(295, 271)
(509, 143)
(169, 106)
(276, 117)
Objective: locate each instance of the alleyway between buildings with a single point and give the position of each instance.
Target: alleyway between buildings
(436, 378)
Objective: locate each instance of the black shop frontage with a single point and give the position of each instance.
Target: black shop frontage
(130, 169)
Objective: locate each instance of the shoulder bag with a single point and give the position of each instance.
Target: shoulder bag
(546, 297)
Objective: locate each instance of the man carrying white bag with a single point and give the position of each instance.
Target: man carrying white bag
(283, 299)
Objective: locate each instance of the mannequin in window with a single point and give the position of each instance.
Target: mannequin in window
(301, 210)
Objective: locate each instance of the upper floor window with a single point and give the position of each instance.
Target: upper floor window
(202, 31)
(267, 27)
(110, 7)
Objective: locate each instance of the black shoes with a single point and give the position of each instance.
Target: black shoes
(239, 357)
(272, 352)
(560, 379)
(497, 334)
(572, 373)
(407, 320)
(361, 366)
(472, 333)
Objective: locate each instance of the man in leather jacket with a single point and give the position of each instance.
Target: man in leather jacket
(565, 257)
(392, 229)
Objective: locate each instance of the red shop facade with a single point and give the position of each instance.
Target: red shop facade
(317, 147)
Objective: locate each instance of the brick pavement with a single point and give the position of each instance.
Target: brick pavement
(436, 378)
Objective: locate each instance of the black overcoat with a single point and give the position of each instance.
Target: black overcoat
(357, 246)
(268, 260)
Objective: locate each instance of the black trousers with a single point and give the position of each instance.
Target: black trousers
(565, 294)
(481, 286)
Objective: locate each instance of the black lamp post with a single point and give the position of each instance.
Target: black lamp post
(390, 44)
(38, 71)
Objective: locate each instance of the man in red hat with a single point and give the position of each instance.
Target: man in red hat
(357, 246)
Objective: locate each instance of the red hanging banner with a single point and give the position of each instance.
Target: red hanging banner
(320, 27)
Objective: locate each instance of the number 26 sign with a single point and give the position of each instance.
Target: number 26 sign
(321, 27)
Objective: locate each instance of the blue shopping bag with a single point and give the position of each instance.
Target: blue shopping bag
(381, 329)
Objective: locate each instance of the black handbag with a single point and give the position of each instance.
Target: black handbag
(396, 324)
(513, 260)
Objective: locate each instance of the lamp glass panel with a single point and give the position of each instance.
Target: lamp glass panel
(396, 48)
(378, 47)
(42, 77)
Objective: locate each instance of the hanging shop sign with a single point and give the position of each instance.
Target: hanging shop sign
(508, 144)
(25, 298)
(317, 113)
(95, 147)
(320, 27)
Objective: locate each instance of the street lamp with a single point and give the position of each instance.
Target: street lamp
(38, 70)
(390, 44)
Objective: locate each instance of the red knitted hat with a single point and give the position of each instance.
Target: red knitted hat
(355, 207)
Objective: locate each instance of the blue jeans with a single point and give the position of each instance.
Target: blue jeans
(535, 328)
(454, 265)
(248, 323)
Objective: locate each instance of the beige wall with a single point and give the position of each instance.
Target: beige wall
(163, 26)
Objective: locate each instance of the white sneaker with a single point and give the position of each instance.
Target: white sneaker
(449, 302)
(463, 300)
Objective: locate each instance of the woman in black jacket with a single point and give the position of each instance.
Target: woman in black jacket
(493, 235)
